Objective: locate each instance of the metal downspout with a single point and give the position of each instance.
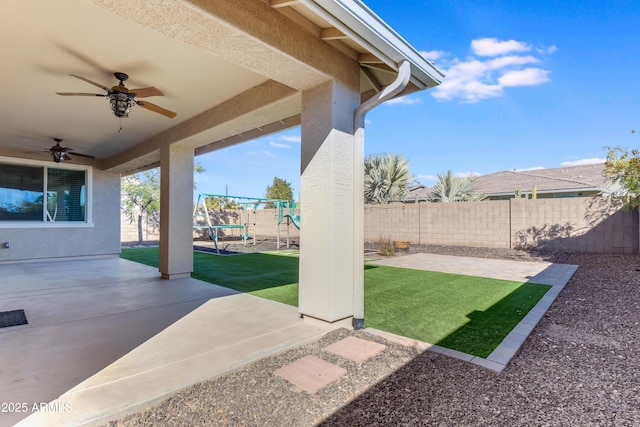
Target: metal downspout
(398, 85)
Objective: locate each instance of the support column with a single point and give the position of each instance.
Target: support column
(328, 168)
(176, 212)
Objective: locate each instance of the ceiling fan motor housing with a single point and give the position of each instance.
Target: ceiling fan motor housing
(121, 103)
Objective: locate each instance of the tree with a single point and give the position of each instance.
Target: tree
(279, 189)
(221, 203)
(452, 188)
(622, 167)
(386, 177)
(141, 194)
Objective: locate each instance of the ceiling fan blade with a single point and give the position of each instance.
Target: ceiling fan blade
(65, 156)
(79, 94)
(91, 82)
(146, 92)
(153, 107)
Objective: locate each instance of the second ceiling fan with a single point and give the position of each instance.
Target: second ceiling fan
(122, 99)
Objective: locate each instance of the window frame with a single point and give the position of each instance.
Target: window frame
(88, 170)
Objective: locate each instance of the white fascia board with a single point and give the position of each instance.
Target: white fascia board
(364, 27)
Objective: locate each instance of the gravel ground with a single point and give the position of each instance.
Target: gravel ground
(579, 367)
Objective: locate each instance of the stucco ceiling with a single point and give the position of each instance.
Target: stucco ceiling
(43, 42)
(177, 51)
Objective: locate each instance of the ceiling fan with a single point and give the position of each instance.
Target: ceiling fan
(60, 153)
(122, 99)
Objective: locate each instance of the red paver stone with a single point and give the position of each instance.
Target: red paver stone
(311, 373)
(355, 349)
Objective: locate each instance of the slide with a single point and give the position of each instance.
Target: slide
(295, 220)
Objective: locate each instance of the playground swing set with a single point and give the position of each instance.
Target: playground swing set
(202, 218)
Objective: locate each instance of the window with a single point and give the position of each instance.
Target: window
(21, 193)
(65, 195)
(37, 194)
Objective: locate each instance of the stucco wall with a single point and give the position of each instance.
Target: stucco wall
(48, 242)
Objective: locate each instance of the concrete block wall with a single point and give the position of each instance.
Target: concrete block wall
(129, 230)
(391, 222)
(477, 224)
(265, 221)
(577, 224)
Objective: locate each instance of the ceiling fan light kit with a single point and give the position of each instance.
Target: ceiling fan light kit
(122, 99)
(121, 103)
(60, 153)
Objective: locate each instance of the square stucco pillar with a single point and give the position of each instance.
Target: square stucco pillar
(176, 212)
(328, 167)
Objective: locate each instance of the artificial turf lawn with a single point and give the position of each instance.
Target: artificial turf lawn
(265, 275)
(464, 313)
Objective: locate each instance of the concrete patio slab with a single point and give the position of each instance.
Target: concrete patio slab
(107, 337)
(545, 273)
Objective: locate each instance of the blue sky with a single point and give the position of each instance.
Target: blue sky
(530, 84)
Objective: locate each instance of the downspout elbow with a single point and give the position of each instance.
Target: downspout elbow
(397, 86)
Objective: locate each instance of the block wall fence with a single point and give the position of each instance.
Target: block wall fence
(578, 224)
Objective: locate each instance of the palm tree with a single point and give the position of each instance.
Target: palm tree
(386, 177)
(451, 188)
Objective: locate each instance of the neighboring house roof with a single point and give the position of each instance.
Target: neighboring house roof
(417, 192)
(571, 179)
(584, 178)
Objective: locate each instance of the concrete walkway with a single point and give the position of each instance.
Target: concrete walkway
(108, 337)
(546, 273)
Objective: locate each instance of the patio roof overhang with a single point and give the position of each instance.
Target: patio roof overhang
(232, 70)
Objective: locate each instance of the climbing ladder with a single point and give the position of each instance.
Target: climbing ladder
(287, 216)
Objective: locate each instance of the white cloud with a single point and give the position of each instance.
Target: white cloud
(291, 138)
(546, 50)
(262, 153)
(495, 47)
(404, 100)
(511, 60)
(476, 78)
(580, 162)
(526, 77)
(433, 55)
(279, 144)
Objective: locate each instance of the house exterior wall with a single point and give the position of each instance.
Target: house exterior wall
(47, 242)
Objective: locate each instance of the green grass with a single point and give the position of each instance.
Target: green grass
(464, 313)
(265, 275)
